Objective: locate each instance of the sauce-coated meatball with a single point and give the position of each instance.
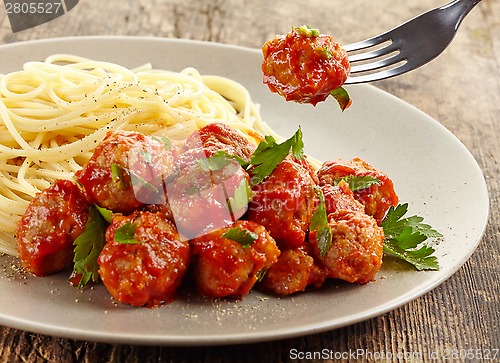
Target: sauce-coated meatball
(202, 196)
(338, 197)
(293, 272)
(126, 171)
(377, 199)
(357, 247)
(284, 203)
(50, 224)
(223, 267)
(212, 138)
(204, 200)
(148, 272)
(304, 67)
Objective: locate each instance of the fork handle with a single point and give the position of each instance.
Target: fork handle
(463, 8)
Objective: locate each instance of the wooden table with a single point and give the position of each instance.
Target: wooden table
(461, 89)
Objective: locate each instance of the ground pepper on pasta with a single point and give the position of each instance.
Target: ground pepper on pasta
(55, 112)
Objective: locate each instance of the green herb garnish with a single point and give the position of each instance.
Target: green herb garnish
(319, 224)
(342, 97)
(269, 154)
(148, 157)
(125, 234)
(357, 182)
(215, 162)
(167, 143)
(88, 246)
(324, 51)
(242, 236)
(242, 195)
(260, 275)
(105, 213)
(306, 30)
(118, 175)
(224, 154)
(404, 238)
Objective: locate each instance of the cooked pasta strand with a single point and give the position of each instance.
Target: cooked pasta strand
(53, 114)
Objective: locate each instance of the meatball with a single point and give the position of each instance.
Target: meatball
(304, 66)
(126, 171)
(209, 192)
(293, 272)
(284, 203)
(163, 209)
(50, 224)
(357, 247)
(223, 267)
(212, 138)
(204, 200)
(147, 269)
(338, 197)
(377, 198)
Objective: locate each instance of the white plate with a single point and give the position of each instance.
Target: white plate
(431, 169)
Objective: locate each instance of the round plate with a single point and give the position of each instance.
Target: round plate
(431, 169)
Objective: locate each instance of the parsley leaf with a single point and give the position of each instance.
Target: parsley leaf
(342, 97)
(357, 182)
(324, 51)
(147, 156)
(224, 154)
(165, 141)
(269, 154)
(404, 238)
(306, 30)
(105, 213)
(297, 144)
(394, 223)
(242, 195)
(319, 223)
(218, 161)
(242, 236)
(88, 246)
(118, 175)
(125, 234)
(260, 275)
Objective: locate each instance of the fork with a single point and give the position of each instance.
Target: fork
(407, 46)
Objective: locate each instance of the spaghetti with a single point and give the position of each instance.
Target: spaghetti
(54, 113)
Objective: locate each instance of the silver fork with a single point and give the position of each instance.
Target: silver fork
(407, 46)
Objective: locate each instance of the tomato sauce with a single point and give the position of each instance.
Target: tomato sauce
(303, 68)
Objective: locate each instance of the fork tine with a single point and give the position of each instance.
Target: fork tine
(387, 73)
(367, 43)
(373, 54)
(378, 64)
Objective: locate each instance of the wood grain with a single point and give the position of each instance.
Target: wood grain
(461, 89)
